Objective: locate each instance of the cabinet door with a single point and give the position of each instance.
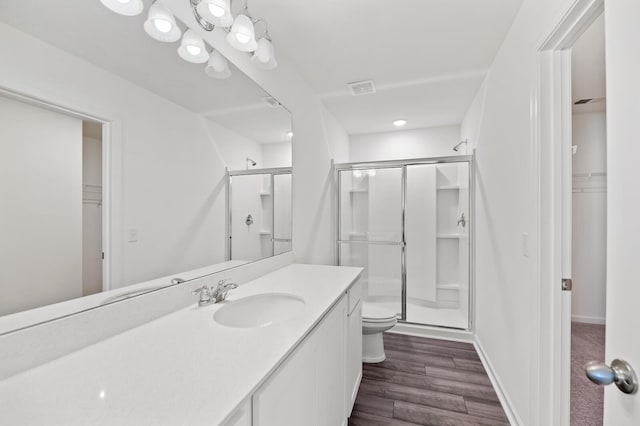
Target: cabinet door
(354, 356)
(289, 395)
(330, 367)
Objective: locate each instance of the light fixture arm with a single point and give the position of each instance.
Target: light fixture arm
(266, 28)
(207, 26)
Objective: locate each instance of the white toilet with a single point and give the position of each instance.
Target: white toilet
(375, 321)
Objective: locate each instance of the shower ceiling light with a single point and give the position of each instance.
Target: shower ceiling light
(217, 67)
(242, 34)
(399, 123)
(161, 24)
(124, 7)
(218, 12)
(264, 56)
(192, 48)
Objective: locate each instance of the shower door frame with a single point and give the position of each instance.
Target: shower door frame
(402, 165)
(228, 184)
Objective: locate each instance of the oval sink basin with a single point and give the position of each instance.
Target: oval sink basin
(260, 310)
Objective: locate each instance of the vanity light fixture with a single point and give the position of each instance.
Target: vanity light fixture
(192, 48)
(161, 24)
(399, 123)
(124, 7)
(218, 12)
(217, 67)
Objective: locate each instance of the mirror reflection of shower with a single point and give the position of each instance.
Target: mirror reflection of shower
(457, 147)
(259, 213)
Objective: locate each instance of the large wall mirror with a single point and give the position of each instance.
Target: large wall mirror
(122, 166)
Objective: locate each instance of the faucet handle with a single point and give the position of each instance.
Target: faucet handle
(205, 295)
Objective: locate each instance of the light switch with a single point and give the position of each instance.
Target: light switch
(132, 235)
(525, 245)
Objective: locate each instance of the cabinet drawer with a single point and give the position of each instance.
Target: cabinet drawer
(354, 296)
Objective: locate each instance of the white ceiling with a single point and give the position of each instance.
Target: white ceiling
(427, 57)
(588, 68)
(85, 28)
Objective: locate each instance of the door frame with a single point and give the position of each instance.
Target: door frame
(108, 130)
(552, 145)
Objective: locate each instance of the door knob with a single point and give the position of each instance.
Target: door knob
(619, 373)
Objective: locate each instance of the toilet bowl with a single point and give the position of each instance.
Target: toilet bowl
(375, 321)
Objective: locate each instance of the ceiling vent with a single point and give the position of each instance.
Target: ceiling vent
(273, 103)
(582, 101)
(359, 88)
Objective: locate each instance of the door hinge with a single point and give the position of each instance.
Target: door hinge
(567, 284)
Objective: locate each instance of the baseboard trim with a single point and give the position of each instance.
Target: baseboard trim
(507, 405)
(433, 332)
(588, 320)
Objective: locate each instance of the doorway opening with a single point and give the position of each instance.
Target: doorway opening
(589, 221)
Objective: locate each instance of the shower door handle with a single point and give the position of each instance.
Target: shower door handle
(620, 373)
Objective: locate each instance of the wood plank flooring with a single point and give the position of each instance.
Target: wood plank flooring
(426, 382)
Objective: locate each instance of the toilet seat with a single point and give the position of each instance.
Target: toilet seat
(376, 314)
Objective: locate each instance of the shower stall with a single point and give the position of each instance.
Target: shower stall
(409, 225)
(258, 213)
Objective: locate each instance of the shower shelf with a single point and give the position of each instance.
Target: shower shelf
(265, 194)
(446, 187)
(358, 191)
(448, 286)
(357, 234)
(451, 236)
(265, 233)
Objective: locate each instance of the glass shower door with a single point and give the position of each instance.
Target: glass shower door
(437, 244)
(370, 231)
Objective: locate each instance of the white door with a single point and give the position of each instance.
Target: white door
(623, 204)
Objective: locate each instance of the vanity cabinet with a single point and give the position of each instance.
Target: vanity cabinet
(309, 387)
(354, 356)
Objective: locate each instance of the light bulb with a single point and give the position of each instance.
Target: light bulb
(243, 38)
(124, 7)
(194, 50)
(162, 25)
(289, 134)
(357, 174)
(216, 10)
(399, 123)
(371, 172)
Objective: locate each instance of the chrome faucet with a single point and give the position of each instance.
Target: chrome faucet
(210, 295)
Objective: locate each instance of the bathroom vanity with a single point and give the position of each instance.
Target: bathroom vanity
(297, 363)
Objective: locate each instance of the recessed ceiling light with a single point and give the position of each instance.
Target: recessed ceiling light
(399, 123)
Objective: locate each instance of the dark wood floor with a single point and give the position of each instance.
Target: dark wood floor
(426, 382)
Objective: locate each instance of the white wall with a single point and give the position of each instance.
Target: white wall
(168, 179)
(589, 219)
(402, 144)
(232, 147)
(500, 124)
(276, 154)
(41, 213)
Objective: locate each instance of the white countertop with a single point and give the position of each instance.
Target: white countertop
(181, 369)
